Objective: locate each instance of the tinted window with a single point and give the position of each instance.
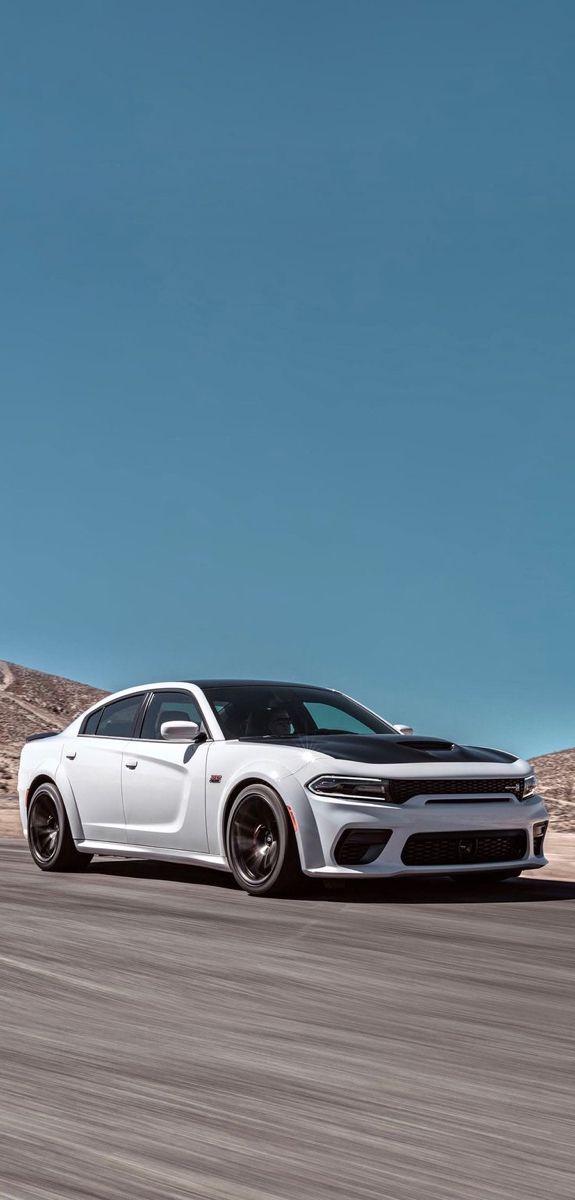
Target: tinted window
(335, 719)
(168, 706)
(91, 724)
(284, 711)
(119, 718)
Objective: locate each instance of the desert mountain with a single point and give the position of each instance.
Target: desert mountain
(31, 701)
(556, 775)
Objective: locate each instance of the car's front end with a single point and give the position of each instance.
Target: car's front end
(364, 799)
(362, 819)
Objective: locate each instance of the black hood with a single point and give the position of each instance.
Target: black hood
(388, 748)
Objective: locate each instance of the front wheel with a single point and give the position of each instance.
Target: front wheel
(260, 843)
(480, 878)
(49, 838)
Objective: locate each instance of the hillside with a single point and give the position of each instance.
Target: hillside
(31, 701)
(556, 774)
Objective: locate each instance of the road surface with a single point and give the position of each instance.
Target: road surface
(165, 1036)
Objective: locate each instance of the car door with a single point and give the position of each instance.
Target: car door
(94, 767)
(163, 783)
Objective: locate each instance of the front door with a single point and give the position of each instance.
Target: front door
(163, 783)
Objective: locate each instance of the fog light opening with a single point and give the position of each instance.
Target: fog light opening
(357, 846)
(539, 831)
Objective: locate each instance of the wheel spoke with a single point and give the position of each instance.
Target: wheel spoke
(44, 828)
(254, 838)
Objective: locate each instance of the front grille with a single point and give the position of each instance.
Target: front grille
(403, 789)
(360, 846)
(468, 846)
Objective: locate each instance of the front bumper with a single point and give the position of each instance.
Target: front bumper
(331, 818)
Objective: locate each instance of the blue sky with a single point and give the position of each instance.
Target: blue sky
(287, 364)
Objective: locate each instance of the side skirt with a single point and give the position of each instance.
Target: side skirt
(122, 850)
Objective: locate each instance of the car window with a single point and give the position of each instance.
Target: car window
(119, 718)
(91, 725)
(334, 719)
(168, 706)
(287, 710)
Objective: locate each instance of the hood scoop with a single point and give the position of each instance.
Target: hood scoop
(428, 744)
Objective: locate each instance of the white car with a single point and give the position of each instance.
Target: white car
(274, 781)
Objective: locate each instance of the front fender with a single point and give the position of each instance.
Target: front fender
(288, 787)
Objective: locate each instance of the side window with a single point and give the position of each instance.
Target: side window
(168, 706)
(91, 725)
(118, 719)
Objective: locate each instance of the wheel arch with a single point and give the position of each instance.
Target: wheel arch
(272, 784)
(38, 779)
(235, 791)
(58, 780)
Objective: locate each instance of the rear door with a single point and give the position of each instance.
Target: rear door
(94, 767)
(163, 783)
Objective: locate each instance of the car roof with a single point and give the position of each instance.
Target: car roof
(210, 683)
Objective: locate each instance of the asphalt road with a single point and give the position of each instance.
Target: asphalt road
(166, 1036)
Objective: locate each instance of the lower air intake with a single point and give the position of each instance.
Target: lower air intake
(468, 847)
(357, 846)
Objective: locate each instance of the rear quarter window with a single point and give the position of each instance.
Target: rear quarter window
(91, 723)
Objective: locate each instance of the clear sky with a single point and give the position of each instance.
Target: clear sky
(287, 350)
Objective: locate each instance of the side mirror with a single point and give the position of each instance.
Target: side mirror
(404, 729)
(179, 731)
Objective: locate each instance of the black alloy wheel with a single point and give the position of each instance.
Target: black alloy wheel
(51, 843)
(44, 828)
(260, 843)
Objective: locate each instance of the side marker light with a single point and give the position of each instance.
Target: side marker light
(292, 818)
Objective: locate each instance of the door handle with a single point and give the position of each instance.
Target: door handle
(71, 755)
(131, 765)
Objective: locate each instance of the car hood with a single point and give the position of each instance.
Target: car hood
(387, 748)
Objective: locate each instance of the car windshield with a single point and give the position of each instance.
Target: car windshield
(258, 710)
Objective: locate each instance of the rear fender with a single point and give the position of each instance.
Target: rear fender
(69, 800)
(50, 767)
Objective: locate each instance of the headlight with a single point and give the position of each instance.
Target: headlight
(353, 787)
(529, 785)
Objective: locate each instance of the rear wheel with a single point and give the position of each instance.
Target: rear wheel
(470, 878)
(260, 843)
(49, 838)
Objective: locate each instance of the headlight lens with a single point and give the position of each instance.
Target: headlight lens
(529, 785)
(353, 787)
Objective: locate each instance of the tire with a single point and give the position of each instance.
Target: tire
(49, 838)
(260, 844)
(481, 878)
